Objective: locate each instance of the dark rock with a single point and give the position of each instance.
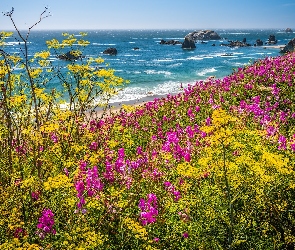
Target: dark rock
(272, 39)
(70, 56)
(290, 47)
(111, 51)
(188, 43)
(288, 30)
(136, 48)
(259, 42)
(213, 44)
(235, 44)
(170, 42)
(203, 35)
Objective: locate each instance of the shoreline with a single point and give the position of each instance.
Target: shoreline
(273, 46)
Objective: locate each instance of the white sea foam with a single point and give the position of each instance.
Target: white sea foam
(238, 33)
(105, 44)
(195, 58)
(164, 60)
(206, 71)
(155, 72)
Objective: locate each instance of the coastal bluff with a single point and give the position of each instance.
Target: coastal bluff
(203, 35)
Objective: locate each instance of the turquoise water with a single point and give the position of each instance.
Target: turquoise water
(157, 69)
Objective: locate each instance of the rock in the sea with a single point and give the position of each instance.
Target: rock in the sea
(170, 42)
(111, 51)
(259, 42)
(289, 30)
(290, 47)
(188, 43)
(70, 56)
(203, 35)
(232, 44)
(272, 39)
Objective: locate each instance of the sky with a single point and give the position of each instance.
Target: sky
(149, 14)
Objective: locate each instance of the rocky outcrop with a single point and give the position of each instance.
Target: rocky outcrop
(289, 30)
(290, 47)
(70, 56)
(272, 39)
(259, 42)
(188, 43)
(203, 35)
(232, 44)
(170, 42)
(111, 51)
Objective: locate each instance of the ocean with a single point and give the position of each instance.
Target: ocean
(154, 69)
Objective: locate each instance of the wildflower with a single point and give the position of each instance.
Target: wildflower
(46, 223)
(187, 157)
(35, 195)
(19, 233)
(185, 235)
(93, 146)
(190, 113)
(148, 209)
(282, 142)
(170, 188)
(66, 171)
(93, 182)
(82, 165)
(54, 138)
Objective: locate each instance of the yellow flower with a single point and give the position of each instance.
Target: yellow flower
(59, 181)
(139, 231)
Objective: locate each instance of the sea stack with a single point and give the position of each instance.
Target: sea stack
(203, 35)
(188, 43)
(289, 30)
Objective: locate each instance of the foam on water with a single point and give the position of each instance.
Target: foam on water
(206, 71)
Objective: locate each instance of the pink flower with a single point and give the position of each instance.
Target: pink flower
(148, 209)
(35, 195)
(282, 142)
(46, 223)
(93, 146)
(185, 235)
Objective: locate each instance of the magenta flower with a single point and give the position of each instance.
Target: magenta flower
(54, 138)
(282, 142)
(93, 146)
(190, 113)
(93, 182)
(19, 233)
(185, 235)
(149, 209)
(35, 195)
(46, 223)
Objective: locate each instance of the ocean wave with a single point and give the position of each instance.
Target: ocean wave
(206, 71)
(195, 58)
(236, 33)
(157, 72)
(105, 44)
(164, 60)
(136, 93)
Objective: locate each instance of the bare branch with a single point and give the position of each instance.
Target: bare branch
(9, 13)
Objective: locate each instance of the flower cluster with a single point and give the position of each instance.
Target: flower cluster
(149, 209)
(46, 223)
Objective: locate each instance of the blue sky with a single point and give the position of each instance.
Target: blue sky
(151, 14)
